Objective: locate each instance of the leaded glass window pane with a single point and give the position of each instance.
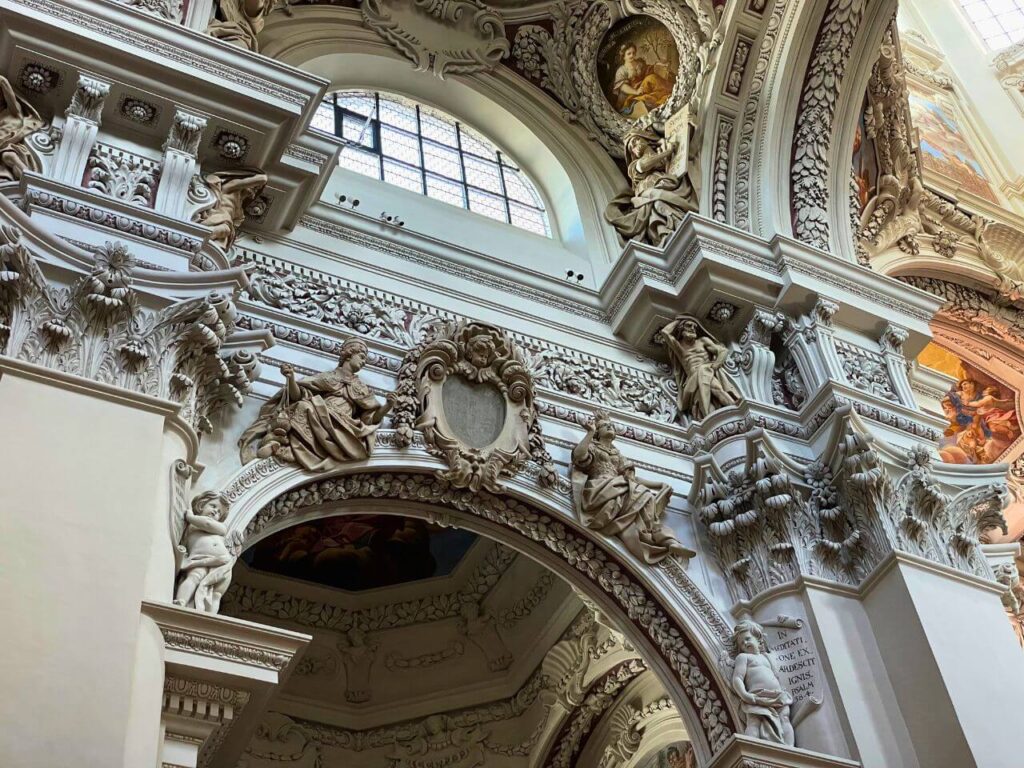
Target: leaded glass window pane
(323, 119)
(422, 150)
(1000, 23)
(403, 176)
(450, 192)
(480, 173)
(491, 206)
(442, 160)
(399, 145)
(366, 163)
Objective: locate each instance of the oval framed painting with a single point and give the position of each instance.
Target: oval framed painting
(637, 66)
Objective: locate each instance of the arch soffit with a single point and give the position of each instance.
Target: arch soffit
(779, 107)
(267, 497)
(573, 174)
(863, 57)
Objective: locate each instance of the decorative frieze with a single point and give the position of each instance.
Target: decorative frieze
(222, 648)
(397, 662)
(165, 9)
(254, 601)
(524, 606)
(108, 219)
(866, 370)
(434, 736)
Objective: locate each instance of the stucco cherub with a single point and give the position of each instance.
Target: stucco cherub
(205, 573)
(697, 361)
(764, 703)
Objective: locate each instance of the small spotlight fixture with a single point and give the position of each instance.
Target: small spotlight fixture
(345, 201)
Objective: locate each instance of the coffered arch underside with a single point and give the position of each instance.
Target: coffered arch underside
(267, 497)
(575, 176)
(788, 172)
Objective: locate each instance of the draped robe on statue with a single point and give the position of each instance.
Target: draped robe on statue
(612, 501)
(325, 428)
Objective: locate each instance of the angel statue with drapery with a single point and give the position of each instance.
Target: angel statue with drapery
(240, 22)
(321, 422)
(18, 121)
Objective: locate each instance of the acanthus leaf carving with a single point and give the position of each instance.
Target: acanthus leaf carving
(826, 70)
(443, 36)
(96, 328)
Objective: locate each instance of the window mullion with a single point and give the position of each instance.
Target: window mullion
(462, 165)
(504, 190)
(423, 158)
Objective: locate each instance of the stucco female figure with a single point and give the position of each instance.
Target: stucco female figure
(320, 422)
(764, 702)
(609, 497)
(653, 209)
(240, 22)
(18, 121)
(232, 190)
(697, 360)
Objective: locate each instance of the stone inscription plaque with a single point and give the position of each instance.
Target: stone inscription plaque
(796, 660)
(475, 412)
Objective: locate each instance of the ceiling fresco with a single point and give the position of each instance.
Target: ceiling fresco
(981, 411)
(361, 552)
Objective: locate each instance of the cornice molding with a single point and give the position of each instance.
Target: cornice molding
(194, 633)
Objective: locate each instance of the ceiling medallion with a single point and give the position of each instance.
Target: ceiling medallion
(619, 65)
(443, 36)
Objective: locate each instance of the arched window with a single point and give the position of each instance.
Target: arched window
(421, 149)
(1000, 23)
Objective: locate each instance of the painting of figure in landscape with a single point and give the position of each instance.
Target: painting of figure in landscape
(637, 66)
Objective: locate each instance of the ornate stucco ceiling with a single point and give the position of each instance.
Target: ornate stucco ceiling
(479, 654)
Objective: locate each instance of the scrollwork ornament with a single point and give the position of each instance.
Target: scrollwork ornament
(563, 60)
(495, 379)
(444, 36)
